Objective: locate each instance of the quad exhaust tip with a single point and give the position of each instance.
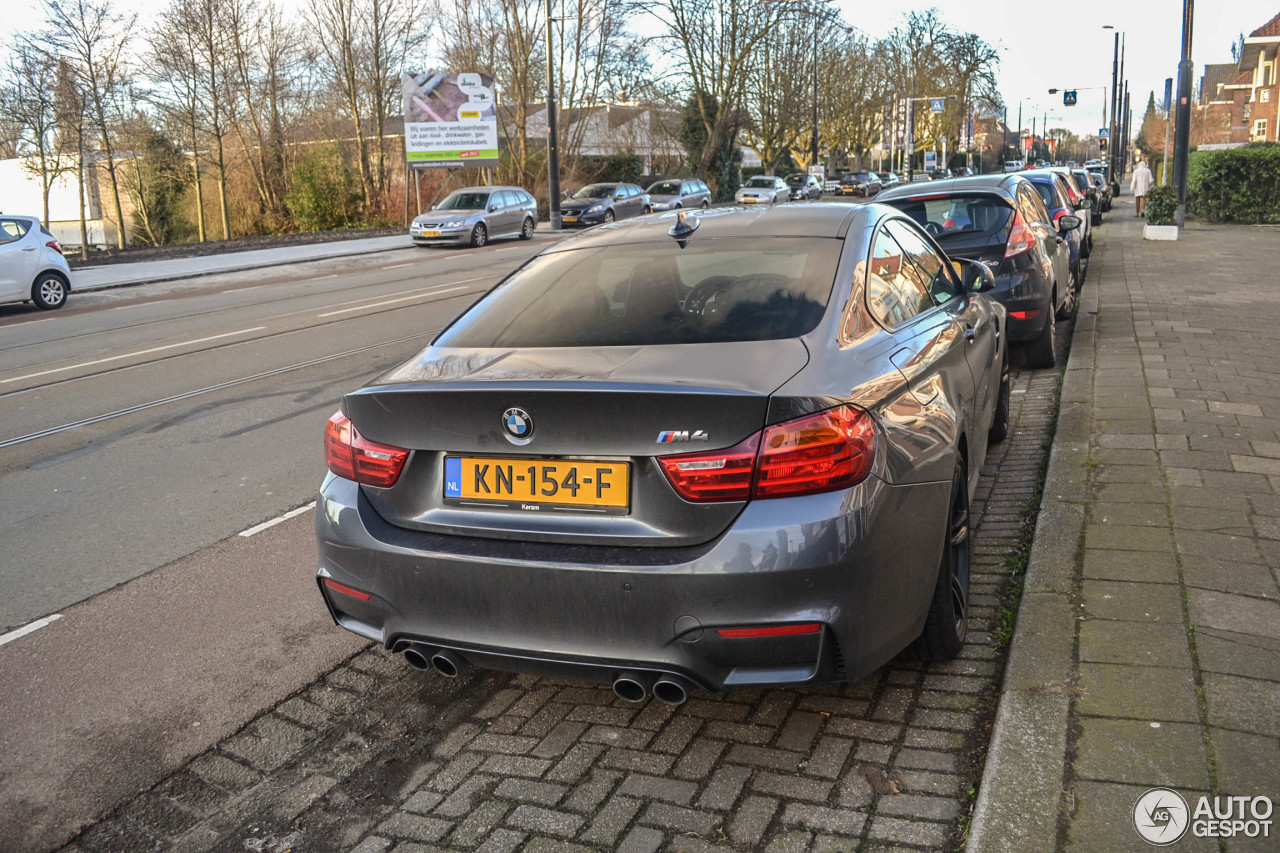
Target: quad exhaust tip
(447, 663)
(671, 690)
(638, 686)
(632, 686)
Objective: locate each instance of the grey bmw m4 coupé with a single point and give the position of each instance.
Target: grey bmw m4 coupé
(721, 450)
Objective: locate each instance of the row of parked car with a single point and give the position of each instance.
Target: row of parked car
(1032, 228)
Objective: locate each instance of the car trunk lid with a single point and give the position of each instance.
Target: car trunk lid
(585, 410)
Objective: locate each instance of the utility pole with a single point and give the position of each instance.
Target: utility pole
(1111, 125)
(1182, 137)
(1168, 121)
(553, 152)
(1128, 121)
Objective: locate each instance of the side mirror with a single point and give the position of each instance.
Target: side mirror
(492, 208)
(1069, 222)
(618, 197)
(976, 276)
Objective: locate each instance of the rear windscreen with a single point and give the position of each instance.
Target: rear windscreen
(1047, 194)
(956, 214)
(712, 291)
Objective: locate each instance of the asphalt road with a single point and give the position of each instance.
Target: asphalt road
(143, 429)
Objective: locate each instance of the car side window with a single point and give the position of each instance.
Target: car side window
(934, 271)
(12, 229)
(1033, 208)
(895, 293)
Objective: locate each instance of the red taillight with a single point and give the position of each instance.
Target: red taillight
(722, 475)
(817, 453)
(346, 590)
(351, 455)
(1021, 237)
(53, 244)
(770, 631)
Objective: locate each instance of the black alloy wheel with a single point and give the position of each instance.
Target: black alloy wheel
(479, 235)
(947, 623)
(49, 291)
(1068, 306)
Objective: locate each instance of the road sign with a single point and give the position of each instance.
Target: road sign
(1103, 133)
(1069, 98)
(938, 104)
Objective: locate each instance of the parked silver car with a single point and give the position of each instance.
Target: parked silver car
(32, 268)
(476, 215)
(763, 189)
(674, 194)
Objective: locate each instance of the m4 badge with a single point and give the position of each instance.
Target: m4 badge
(672, 436)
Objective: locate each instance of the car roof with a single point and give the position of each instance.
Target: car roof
(815, 219)
(1000, 184)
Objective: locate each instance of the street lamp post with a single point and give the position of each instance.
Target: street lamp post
(553, 153)
(1182, 133)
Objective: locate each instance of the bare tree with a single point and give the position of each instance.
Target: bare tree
(363, 45)
(177, 73)
(503, 38)
(71, 108)
(33, 76)
(94, 39)
(718, 39)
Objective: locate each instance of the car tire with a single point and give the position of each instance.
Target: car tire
(647, 210)
(526, 230)
(1068, 306)
(1097, 217)
(49, 291)
(1041, 352)
(608, 216)
(705, 204)
(947, 622)
(479, 235)
(1000, 419)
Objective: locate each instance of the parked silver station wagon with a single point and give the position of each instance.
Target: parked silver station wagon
(721, 450)
(476, 215)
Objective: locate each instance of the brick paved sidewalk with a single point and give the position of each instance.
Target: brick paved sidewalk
(1147, 651)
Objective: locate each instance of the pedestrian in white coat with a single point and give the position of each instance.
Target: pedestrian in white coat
(1139, 185)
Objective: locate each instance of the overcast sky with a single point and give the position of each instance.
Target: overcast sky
(1042, 45)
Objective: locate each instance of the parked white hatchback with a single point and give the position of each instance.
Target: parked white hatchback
(32, 268)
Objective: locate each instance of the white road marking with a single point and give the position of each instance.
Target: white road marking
(29, 628)
(397, 266)
(98, 361)
(390, 301)
(293, 513)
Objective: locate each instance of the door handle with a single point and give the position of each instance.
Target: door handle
(29, 249)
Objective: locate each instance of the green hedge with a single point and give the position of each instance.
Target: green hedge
(1161, 204)
(1237, 185)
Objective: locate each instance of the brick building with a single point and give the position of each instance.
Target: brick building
(1240, 101)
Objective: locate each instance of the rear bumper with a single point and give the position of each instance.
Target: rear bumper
(861, 563)
(1018, 294)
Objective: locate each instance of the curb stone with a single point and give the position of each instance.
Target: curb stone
(1027, 759)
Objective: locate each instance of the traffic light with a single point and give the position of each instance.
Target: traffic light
(1102, 143)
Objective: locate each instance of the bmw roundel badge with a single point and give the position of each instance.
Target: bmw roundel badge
(518, 425)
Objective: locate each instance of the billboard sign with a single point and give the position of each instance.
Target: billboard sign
(450, 120)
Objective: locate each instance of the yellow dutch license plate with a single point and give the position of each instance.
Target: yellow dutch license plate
(569, 219)
(535, 484)
(748, 201)
(430, 234)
